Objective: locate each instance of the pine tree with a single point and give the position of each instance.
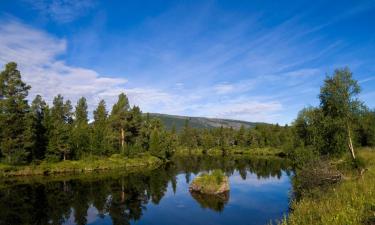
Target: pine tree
(60, 129)
(101, 134)
(155, 143)
(81, 131)
(13, 114)
(37, 131)
(240, 139)
(118, 118)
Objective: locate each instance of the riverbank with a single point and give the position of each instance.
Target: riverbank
(350, 202)
(266, 151)
(114, 162)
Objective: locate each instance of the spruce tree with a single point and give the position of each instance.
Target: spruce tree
(81, 131)
(37, 129)
(13, 114)
(101, 134)
(60, 129)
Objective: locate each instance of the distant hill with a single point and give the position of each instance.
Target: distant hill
(200, 122)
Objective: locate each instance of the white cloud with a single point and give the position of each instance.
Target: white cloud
(36, 53)
(62, 11)
(223, 88)
(242, 109)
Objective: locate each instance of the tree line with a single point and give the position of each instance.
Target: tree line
(37, 131)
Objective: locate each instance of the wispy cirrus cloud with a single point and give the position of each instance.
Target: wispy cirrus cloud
(62, 11)
(252, 66)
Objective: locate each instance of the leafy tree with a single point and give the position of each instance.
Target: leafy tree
(365, 129)
(339, 103)
(13, 114)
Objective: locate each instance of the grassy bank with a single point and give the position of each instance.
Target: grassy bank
(232, 151)
(350, 202)
(85, 165)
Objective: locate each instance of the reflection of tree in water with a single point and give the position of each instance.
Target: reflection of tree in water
(214, 202)
(122, 197)
(263, 167)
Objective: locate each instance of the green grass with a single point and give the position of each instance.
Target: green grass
(352, 202)
(85, 165)
(210, 183)
(266, 151)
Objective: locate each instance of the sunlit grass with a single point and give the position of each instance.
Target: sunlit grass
(210, 183)
(85, 165)
(351, 202)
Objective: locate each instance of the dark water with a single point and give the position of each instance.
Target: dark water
(259, 193)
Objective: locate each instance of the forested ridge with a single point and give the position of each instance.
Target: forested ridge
(35, 131)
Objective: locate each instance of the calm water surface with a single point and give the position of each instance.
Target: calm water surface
(259, 193)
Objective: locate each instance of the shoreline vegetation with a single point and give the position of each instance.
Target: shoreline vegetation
(91, 164)
(264, 151)
(350, 201)
(118, 161)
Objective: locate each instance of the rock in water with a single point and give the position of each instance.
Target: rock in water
(214, 183)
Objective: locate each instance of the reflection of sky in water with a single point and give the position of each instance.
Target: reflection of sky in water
(252, 201)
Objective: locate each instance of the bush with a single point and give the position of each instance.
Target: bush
(359, 163)
(218, 175)
(302, 156)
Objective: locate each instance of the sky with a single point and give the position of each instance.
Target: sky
(259, 61)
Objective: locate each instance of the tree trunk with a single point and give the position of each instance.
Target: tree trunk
(122, 139)
(64, 156)
(350, 142)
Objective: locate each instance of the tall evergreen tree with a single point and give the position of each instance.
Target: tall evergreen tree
(81, 131)
(37, 129)
(60, 129)
(101, 134)
(118, 117)
(13, 113)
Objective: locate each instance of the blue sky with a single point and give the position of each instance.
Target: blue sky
(248, 60)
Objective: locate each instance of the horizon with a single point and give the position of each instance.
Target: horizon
(210, 59)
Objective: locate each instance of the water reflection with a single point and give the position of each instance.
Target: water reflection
(156, 197)
(214, 202)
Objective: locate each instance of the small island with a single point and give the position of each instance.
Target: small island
(213, 183)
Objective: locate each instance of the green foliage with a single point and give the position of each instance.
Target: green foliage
(118, 119)
(328, 128)
(101, 132)
(350, 202)
(80, 136)
(36, 128)
(339, 103)
(13, 115)
(365, 129)
(60, 130)
(210, 183)
(359, 163)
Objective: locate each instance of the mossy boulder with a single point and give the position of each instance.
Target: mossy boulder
(210, 183)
